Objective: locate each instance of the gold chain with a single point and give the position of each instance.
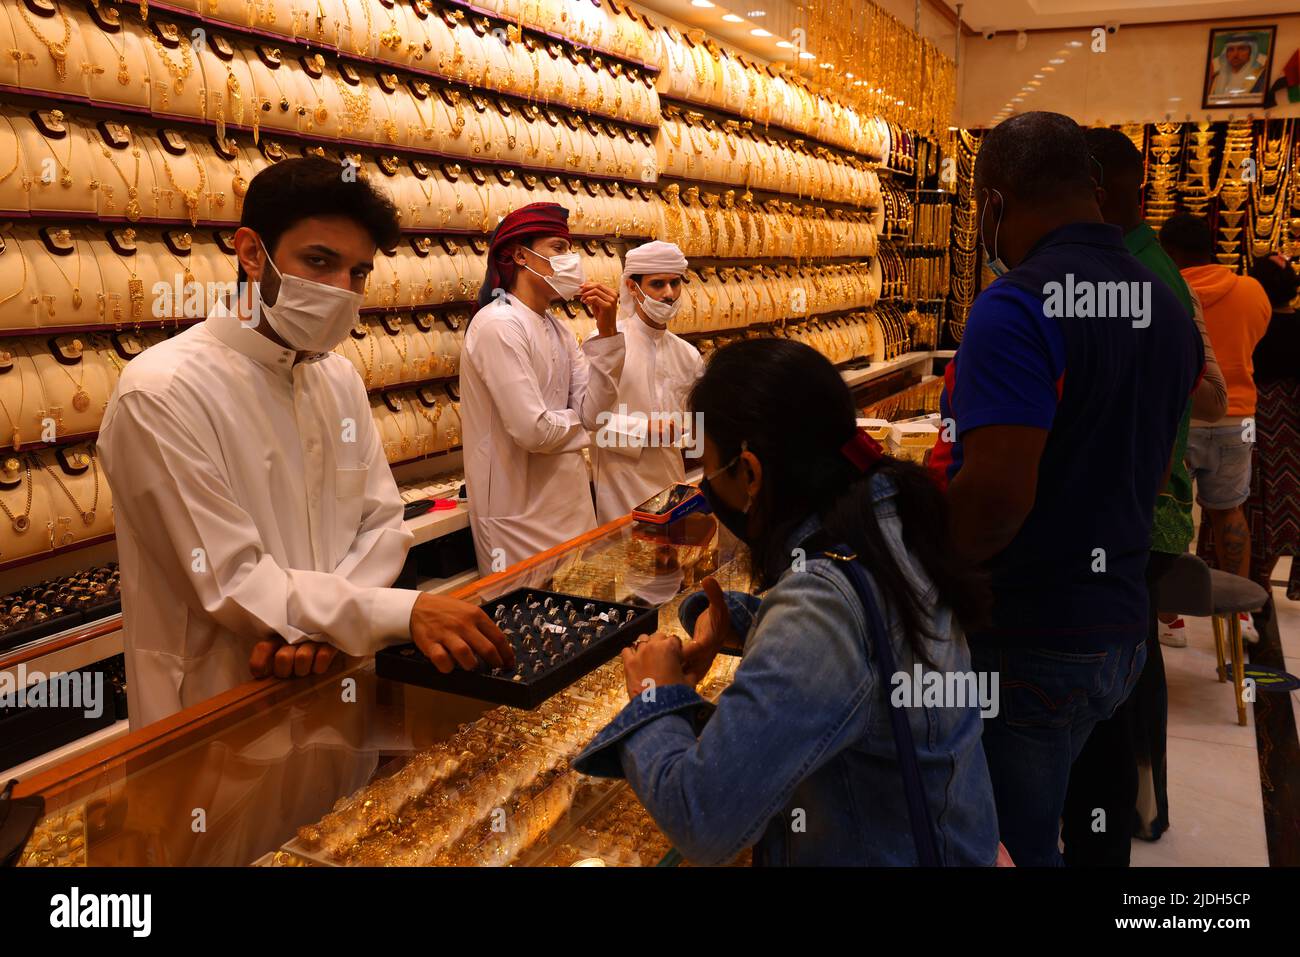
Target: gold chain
(87, 517)
(21, 522)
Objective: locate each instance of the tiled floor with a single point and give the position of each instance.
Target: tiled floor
(1215, 805)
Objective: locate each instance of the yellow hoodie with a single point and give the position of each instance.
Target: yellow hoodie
(1237, 311)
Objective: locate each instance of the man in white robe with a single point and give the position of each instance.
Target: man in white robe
(259, 528)
(530, 394)
(638, 450)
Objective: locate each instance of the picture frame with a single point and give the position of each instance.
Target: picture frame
(1238, 63)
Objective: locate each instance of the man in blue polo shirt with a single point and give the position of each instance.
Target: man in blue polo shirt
(1065, 397)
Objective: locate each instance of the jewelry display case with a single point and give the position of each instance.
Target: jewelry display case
(349, 768)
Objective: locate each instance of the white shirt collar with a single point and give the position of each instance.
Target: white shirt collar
(247, 341)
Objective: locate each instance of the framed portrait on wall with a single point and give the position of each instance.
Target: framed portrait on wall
(1237, 66)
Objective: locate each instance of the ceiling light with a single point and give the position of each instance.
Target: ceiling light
(848, 75)
(702, 3)
(824, 66)
(1049, 69)
(1175, 99)
(1017, 99)
(732, 18)
(755, 14)
(805, 55)
(785, 44)
(1056, 59)
(1075, 43)
(760, 32)
(1038, 76)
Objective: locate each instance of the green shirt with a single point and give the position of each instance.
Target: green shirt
(1172, 530)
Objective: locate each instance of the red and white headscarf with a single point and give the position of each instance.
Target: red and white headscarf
(527, 222)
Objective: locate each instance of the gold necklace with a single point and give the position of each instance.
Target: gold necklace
(80, 397)
(191, 195)
(133, 210)
(357, 105)
(367, 366)
(180, 72)
(58, 51)
(21, 522)
(22, 284)
(75, 286)
(352, 33)
(65, 180)
(87, 517)
(123, 72)
(18, 153)
(17, 439)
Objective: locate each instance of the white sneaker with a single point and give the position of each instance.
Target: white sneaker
(1249, 633)
(1174, 634)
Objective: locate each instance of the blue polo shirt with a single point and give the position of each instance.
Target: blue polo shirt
(1083, 340)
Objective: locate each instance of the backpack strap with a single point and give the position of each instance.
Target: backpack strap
(882, 653)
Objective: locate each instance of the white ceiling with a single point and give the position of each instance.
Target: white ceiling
(775, 16)
(1044, 14)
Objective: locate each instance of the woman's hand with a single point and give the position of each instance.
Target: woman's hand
(651, 662)
(712, 631)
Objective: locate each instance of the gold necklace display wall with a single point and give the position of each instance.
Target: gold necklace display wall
(500, 118)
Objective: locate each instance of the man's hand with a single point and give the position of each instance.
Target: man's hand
(712, 631)
(653, 662)
(451, 632)
(603, 301)
(276, 656)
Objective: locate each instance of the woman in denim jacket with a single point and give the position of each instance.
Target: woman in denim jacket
(797, 759)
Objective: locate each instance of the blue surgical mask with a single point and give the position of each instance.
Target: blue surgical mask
(995, 264)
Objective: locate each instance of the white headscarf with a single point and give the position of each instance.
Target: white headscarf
(650, 258)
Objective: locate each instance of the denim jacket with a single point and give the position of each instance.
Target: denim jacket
(797, 759)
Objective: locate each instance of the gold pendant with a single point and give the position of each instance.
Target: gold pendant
(17, 443)
(123, 76)
(66, 179)
(88, 518)
(21, 523)
(76, 298)
(81, 400)
(239, 186)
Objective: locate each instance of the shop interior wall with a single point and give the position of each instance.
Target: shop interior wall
(1146, 74)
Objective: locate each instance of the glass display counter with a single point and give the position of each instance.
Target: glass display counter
(350, 768)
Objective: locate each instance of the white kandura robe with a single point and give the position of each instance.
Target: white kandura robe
(529, 396)
(658, 374)
(251, 498)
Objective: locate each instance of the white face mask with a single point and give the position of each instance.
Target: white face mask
(566, 276)
(654, 310)
(310, 316)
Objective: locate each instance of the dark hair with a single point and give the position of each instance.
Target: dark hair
(1189, 235)
(1279, 281)
(1115, 154)
(1037, 157)
(791, 408)
(292, 190)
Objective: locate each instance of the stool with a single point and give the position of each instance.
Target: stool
(1193, 588)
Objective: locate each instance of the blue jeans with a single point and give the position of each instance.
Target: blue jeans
(1049, 702)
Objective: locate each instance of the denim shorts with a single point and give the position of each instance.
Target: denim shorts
(1218, 460)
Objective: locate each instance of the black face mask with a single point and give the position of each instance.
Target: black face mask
(734, 520)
